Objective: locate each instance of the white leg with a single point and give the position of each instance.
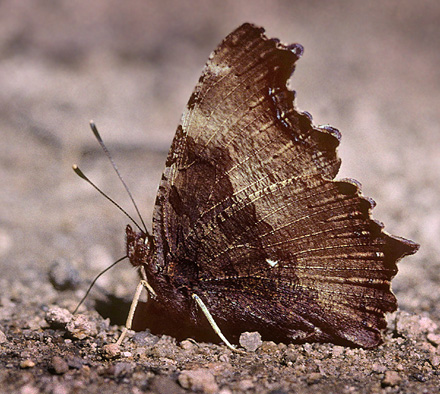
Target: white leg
(142, 283)
(133, 306)
(214, 325)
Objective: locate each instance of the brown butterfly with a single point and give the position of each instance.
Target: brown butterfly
(250, 229)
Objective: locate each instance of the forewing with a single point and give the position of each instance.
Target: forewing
(248, 206)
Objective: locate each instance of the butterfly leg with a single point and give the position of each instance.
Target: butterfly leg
(213, 324)
(130, 316)
(142, 283)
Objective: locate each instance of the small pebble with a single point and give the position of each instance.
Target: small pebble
(269, 347)
(145, 338)
(282, 346)
(28, 363)
(224, 358)
(188, 345)
(414, 326)
(435, 360)
(245, 384)
(379, 368)
(434, 338)
(391, 378)
(314, 377)
(198, 380)
(308, 349)
(291, 355)
(76, 362)
(3, 338)
(419, 377)
(251, 341)
(164, 385)
(59, 365)
(111, 350)
(59, 388)
(338, 351)
(82, 326)
(123, 369)
(58, 317)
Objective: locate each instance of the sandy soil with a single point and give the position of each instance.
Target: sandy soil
(371, 70)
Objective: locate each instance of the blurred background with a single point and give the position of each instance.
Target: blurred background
(370, 69)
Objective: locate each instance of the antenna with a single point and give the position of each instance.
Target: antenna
(94, 281)
(81, 175)
(107, 153)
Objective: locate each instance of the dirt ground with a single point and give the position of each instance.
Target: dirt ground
(370, 69)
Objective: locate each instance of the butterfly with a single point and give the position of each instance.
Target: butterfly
(251, 232)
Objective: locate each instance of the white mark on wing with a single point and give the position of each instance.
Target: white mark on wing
(272, 263)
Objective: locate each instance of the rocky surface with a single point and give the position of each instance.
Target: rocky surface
(51, 355)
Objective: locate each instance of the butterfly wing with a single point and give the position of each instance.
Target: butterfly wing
(248, 215)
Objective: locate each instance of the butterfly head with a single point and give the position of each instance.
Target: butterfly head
(140, 247)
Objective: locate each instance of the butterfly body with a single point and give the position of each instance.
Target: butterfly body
(249, 218)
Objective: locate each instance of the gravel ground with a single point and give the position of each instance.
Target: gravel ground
(371, 70)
